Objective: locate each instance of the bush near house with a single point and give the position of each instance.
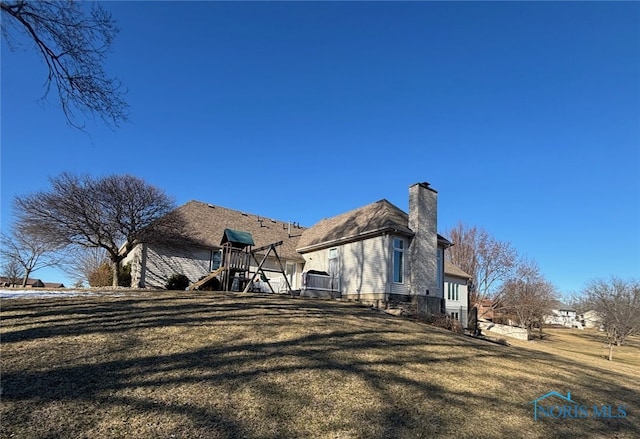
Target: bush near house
(178, 282)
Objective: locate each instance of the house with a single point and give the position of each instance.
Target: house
(591, 319)
(17, 283)
(562, 315)
(486, 309)
(456, 292)
(373, 253)
(152, 264)
(379, 252)
(31, 283)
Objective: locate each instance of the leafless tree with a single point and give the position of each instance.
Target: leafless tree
(617, 301)
(526, 296)
(12, 270)
(29, 251)
(86, 261)
(114, 213)
(488, 260)
(73, 38)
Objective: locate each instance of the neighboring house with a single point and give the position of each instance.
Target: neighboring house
(591, 319)
(31, 283)
(486, 310)
(374, 253)
(152, 264)
(378, 252)
(456, 293)
(562, 315)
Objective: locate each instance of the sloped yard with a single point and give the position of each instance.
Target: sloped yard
(230, 365)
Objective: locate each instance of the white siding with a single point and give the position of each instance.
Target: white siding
(151, 267)
(461, 305)
(363, 267)
(162, 263)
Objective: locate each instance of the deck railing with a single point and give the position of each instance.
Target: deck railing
(320, 282)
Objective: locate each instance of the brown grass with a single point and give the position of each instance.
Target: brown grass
(229, 365)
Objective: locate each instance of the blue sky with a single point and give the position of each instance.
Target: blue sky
(524, 116)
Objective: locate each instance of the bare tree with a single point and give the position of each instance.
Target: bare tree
(618, 303)
(86, 261)
(12, 270)
(484, 257)
(526, 296)
(113, 213)
(73, 38)
(29, 251)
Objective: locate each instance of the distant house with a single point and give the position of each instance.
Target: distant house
(31, 283)
(486, 310)
(562, 315)
(373, 253)
(591, 319)
(456, 293)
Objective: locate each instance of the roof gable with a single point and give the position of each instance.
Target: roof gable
(367, 221)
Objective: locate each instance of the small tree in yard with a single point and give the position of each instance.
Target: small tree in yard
(114, 213)
(618, 303)
(527, 296)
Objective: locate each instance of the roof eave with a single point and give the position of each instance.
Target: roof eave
(353, 238)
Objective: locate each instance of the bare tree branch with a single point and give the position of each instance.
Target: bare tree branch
(73, 40)
(488, 260)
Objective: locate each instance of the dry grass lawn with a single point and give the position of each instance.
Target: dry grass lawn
(232, 365)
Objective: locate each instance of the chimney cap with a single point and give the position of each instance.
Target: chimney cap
(425, 185)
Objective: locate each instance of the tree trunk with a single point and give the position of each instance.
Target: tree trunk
(611, 351)
(27, 273)
(115, 271)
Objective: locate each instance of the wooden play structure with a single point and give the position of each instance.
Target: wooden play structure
(234, 273)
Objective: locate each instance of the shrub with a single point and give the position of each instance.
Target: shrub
(124, 277)
(101, 276)
(178, 282)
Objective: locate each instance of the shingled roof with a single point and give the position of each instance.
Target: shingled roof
(455, 271)
(370, 220)
(206, 224)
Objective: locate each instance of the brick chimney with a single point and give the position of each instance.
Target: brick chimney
(423, 221)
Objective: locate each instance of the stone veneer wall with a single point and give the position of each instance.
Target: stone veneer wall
(423, 221)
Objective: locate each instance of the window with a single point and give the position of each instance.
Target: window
(455, 316)
(398, 260)
(216, 260)
(333, 253)
(453, 291)
(440, 268)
